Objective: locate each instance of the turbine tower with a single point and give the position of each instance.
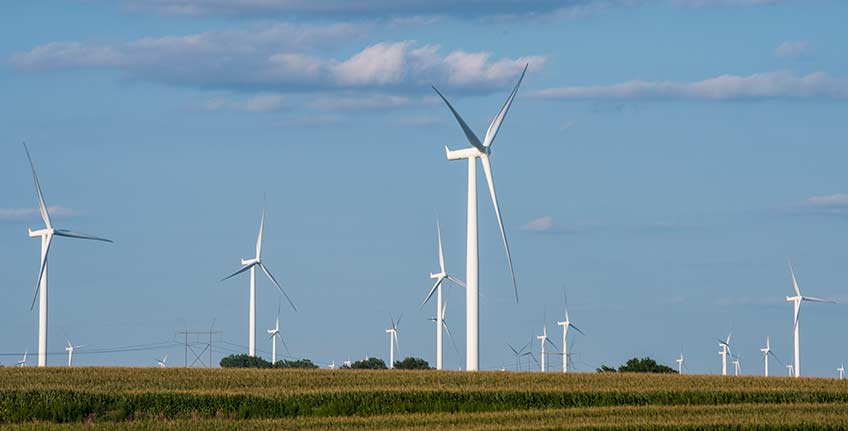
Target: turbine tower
(251, 264)
(680, 364)
(393, 340)
(544, 339)
(796, 301)
(440, 277)
(479, 150)
(737, 366)
(841, 370)
(46, 236)
(274, 334)
(565, 325)
(444, 325)
(725, 350)
(766, 352)
(70, 350)
(789, 367)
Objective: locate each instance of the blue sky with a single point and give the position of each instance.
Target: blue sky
(663, 161)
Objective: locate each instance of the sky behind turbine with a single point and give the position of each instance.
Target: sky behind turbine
(663, 160)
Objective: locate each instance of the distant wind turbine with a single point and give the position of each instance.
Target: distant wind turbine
(841, 370)
(22, 362)
(444, 324)
(796, 301)
(440, 277)
(274, 334)
(46, 236)
(393, 340)
(544, 339)
(520, 353)
(737, 365)
(725, 350)
(332, 365)
(680, 364)
(251, 264)
(789, 367)
(162, 361)
(565, 325)
(479, 150)
(766, 352)
(71, 349)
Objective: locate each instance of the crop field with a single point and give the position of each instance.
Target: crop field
(195, 399)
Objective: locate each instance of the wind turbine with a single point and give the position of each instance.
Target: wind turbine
(70, 350)
(251, 264)
(440, 277)
(393, 340)
(737, 366)
(520, 353)
(332, 365)
(766, 352)
(841, 370)
(796, 300)
(789, 367)
(680, 364)
(565, 325)
(444, 325)
(725, 350)
(479, 150)
(22, 362)
(544, 339)
(162, 361)
(274, 334)
(46, 236)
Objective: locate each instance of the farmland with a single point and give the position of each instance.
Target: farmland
(123, 398)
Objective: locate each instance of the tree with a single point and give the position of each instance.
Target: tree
(300, 363)
(244, 361)
(636, 365)
(369, 364)
(411, 363)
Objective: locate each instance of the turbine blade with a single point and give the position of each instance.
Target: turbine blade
(259, 238)
(41, 270)
(274, 280)
(487, 168)
(42, 207)
(433, 290)
(577, 329)
(513, 349)
(549, 341)
(441, 253)
(243, 269)
(71, 234)
(450, 336)
(456, 281)
(498, 120)
(469, 134)
(397, 344)
(794, 281)
(817, 299)
(398, 321)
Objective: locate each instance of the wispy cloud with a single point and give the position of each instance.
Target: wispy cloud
(33, 213)
(790, 49)
(771, 85)
(267, 102)
(549, 226)
(835, 204)
(284, 57)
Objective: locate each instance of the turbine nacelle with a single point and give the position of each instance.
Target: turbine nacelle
(248, 262)
(794, 298)
(466, 153)
(41, 232)
(438, 275)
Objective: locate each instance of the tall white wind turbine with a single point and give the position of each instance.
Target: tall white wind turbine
(70, 350)
(479, 150)
(725, 350)
(544, 339)
(46, 236)
(679, 363)
(274, 334)
(841, 370)
(766, 352)
(393, 340)
(440, 277)
(251, 264)
(565, 325)
(796, 301)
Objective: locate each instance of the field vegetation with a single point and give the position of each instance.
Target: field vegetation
(124, 398)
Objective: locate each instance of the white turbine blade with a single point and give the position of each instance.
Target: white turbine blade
(243, 269)
(441, 253)
(433, 290)
(444, 309)
(450, 336)
(283, 342)
(42, 207)
(797, 313)
(71, 234)
(817, 299)
(398, 321)
(274, 280)
(68, 341)
(487, 168)
(577, 329)
(395, 337)
(472, 138)
(456, 281)
(41, 270)
(259, 238)
(498, 120)
(794, 281)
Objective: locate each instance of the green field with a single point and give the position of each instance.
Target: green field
(194, 399)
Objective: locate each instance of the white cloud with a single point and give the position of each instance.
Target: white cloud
(771, 85)
(791, 49)
(265, 102)
(541, 224)
(34, 213)
(284, 57)
(836, 200)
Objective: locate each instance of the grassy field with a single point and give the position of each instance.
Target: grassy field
(180, 399)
